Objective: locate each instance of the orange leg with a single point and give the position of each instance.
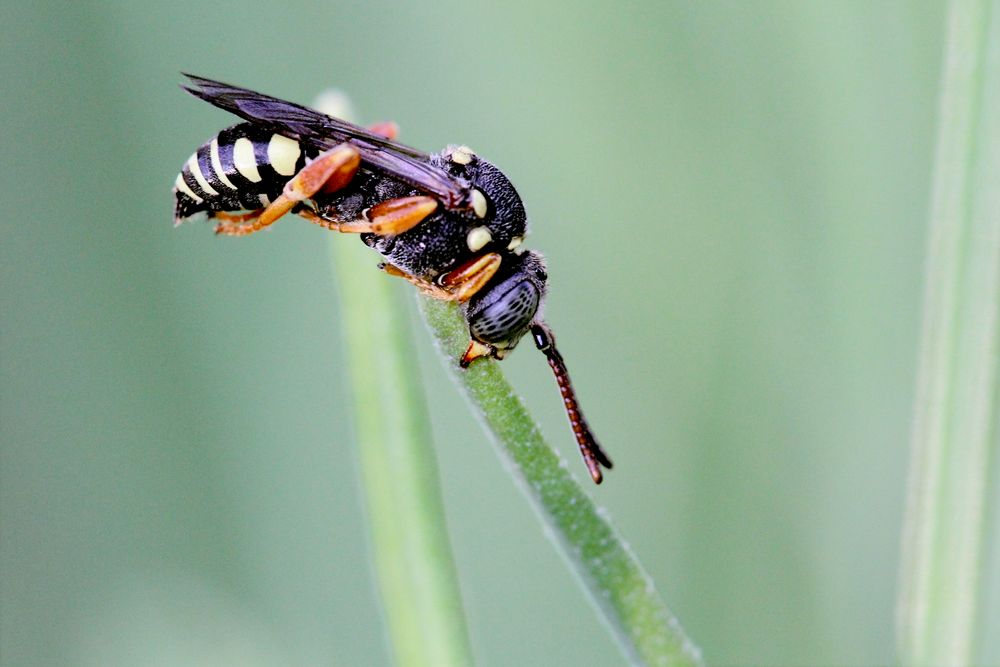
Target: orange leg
(427, 287)
(473, 352)
(315, 218)
(235, 217)
(333, 169)
(457, 285)
(393, 216)
(234, 224)
(471, 277)
(387, 129)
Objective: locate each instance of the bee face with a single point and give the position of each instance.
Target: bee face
(503, 322)
(502, 315)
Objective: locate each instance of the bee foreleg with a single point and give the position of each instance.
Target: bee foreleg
(457, 285)
(473, 352)
(471, 277)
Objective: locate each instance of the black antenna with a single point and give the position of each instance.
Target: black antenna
(591, 450)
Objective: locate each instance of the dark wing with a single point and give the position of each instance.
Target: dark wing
(324, 132)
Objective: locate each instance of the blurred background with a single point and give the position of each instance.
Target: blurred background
(733, 200)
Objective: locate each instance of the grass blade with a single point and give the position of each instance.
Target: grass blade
(955, 432)
(413, 562)
(646, 630)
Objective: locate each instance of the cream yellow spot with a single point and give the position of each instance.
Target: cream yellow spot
(181, 186)
(244, 160)
(283, 153)
(199, 177)
(462, 155)
(265, 201)
(477, 238)
(514, 242)
(479, 203)
(213, 153)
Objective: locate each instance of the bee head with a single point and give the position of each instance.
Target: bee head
(501, 314)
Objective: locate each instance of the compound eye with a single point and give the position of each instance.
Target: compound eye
(504, 322)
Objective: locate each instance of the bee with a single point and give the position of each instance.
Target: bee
(450, 223)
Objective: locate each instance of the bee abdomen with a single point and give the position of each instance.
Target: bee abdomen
(244, 167)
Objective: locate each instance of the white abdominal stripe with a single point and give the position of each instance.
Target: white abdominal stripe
(244, 167)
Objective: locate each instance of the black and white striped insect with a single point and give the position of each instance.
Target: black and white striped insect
(450, 223)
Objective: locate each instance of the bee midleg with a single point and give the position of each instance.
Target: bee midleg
(425, 286)
(387, 218)
(330, 171)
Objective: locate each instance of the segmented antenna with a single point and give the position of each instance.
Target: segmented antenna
(592, 453)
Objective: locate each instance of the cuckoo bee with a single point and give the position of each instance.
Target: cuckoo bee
(450, 223)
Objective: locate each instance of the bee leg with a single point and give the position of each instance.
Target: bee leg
(234, 224)
(235, 217)
(425, 286)
(388, 218)
(473, 352)
(330, 171)
(315, 218)
(457, 285)
(395, 216)
(471, 277)
(386, 129)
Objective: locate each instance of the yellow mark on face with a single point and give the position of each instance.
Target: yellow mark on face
(283, 153)
(244, 160)
(514, 242)
(181, 186)
(479, 203)
(462, 155)
(477, 238)
(198, 176)
(213, 153)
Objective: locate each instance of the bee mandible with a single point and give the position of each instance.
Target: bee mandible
(450, 223)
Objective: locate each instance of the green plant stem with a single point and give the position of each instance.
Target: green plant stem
(646, 630)
(955, 432)
(413, 563)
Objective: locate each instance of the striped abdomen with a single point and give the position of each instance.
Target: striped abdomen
(244, 167)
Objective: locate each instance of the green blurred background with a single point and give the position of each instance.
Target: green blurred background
(732, 197)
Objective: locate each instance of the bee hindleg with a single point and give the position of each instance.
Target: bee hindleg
(388, 218)
(471, 277)
(387, 129)
(330, 171)
(234, 224)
